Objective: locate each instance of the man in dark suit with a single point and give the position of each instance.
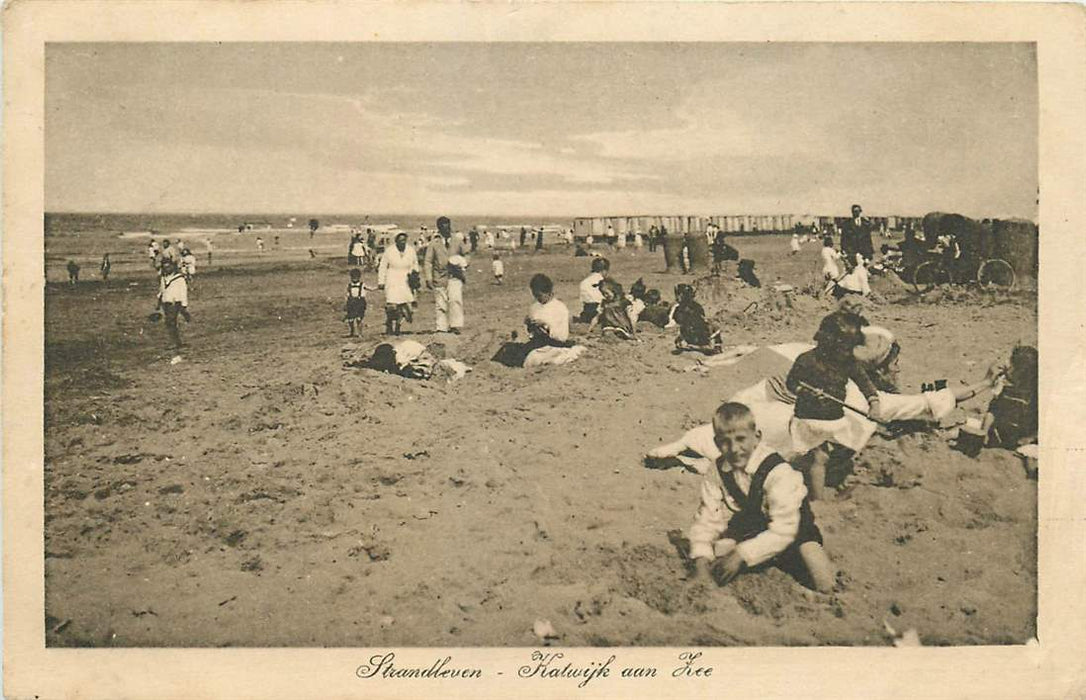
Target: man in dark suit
(856, 236)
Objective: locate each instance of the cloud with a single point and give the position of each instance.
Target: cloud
(707, 129)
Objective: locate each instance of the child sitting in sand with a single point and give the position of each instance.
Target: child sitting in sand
(695, 332)
(819, 379)
(548, 331)
(746, 273)
(499, 269)
(1011, 419)
(613, 316)
(590, 290)
(657, 311)
(548, 317)
(356, 302)
(754, 509)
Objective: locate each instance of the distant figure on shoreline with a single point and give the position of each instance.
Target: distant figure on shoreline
(73, 272)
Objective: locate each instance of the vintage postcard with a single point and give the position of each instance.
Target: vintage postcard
(561, 349)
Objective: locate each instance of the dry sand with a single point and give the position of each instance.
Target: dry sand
(258, 494)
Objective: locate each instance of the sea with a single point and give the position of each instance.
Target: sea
(67, 223)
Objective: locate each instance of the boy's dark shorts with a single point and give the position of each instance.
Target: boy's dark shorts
(356, 308)
(789, 561)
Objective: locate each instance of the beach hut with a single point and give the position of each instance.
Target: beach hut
(1016, 241)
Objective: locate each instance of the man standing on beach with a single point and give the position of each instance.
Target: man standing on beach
(448, 289)
(856, 236)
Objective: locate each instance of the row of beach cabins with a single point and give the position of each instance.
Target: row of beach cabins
(736, 223)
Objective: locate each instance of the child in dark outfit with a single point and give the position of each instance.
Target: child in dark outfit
(695, 332)
(818, 378)
(754, 508)
(1011, 419)
(613, 315)
(356, 302)
(656, 311)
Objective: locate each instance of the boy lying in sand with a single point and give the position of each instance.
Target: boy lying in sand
(754, 509)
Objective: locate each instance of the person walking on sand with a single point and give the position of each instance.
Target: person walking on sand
(73, 272)
(104, 267)
(173, 300)
(210, 250)
(398, 261)
(448, 288)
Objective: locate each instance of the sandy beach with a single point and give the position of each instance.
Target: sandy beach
(260, 494)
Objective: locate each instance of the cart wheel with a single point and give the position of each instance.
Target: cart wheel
(930, 275)
(996, 272)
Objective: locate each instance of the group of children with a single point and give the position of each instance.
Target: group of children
(755, 502)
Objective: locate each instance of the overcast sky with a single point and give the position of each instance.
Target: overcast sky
(543, 129)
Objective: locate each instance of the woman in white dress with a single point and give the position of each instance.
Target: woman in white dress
(397, 263)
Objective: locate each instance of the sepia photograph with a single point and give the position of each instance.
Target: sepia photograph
(526, 344)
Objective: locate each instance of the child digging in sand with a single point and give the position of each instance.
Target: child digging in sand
(695, 332)
(754, 509)
(1011, 419)
(819, 379)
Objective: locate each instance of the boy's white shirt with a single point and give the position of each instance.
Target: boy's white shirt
(784, 494)
(174, 289)
(554, 315)
(590, 293)
(499, 267)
